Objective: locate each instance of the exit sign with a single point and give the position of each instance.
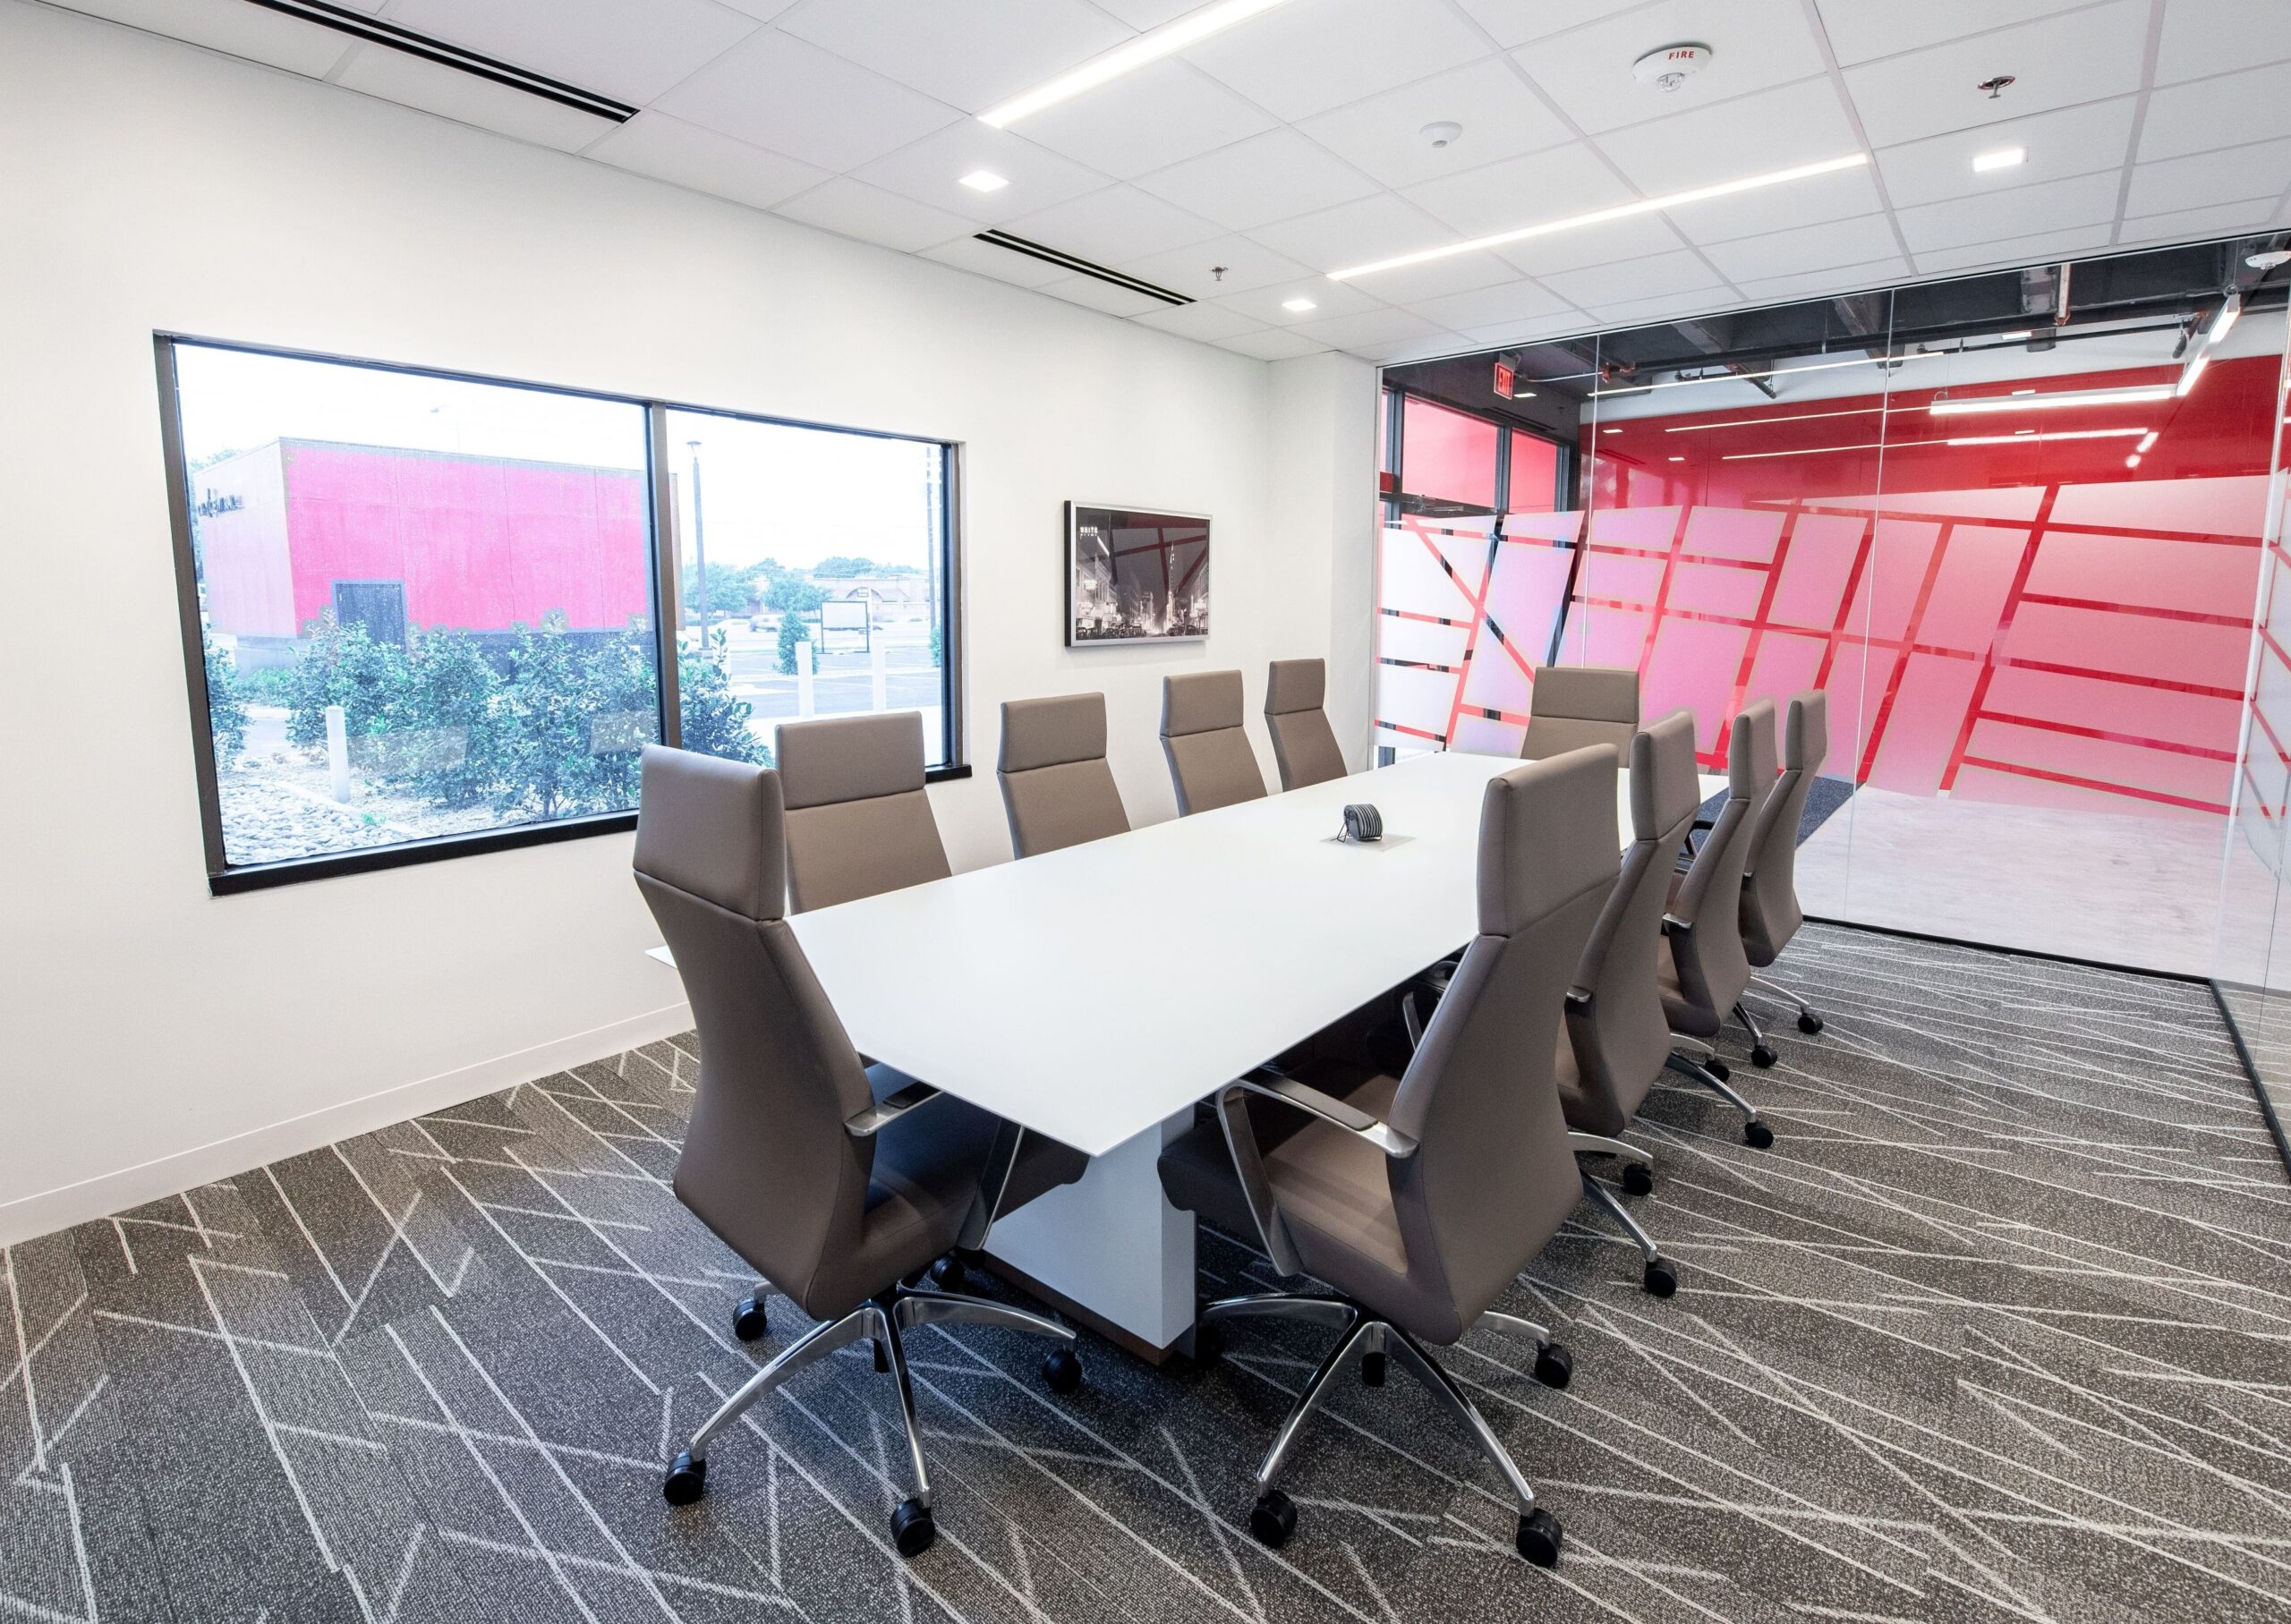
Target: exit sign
(1505, 379)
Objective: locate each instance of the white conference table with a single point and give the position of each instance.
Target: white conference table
(1096, 994)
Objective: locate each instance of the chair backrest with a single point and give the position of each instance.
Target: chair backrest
(1494, 1179)
(858, 822)
(1056, 786)
(1707, 952)
(1212, 762)
(766, 1162)
(1620, 1037)
(1304, 745)
(1770, 912)
(1572, 706)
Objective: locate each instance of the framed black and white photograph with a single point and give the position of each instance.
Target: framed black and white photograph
(1135, 574)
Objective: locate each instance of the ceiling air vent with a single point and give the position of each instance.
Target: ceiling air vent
(373, 30)
(1019, 245)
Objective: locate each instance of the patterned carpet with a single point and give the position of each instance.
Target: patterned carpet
(1998, 1331)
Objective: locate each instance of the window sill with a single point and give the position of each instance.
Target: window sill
(260, 877)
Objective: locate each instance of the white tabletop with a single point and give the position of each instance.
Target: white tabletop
(1090, 993)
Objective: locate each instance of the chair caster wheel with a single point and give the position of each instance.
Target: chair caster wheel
(686, 1482)
(1272, 1519)
(883, 1358)
(1762, 1057)
(1554, 1366)
(1809, 1023)
(1661, 1279)
(912, 1529)
(947, 1273)
(747, 1318)
(1372, 1370)
(1638, 1180)
(1061, 1369)
(1717, 1068)
(1758, 1135)
(1538, 1538)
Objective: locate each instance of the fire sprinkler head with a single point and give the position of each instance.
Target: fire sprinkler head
(1441, 133)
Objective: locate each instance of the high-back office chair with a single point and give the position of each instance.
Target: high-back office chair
(1770, 912)
(858, 822)
(1056, 786)
(1419, 1198)
(1704, 970)
(835, 1180)
(1571, 706)
(1212, 762)
(1304, 745)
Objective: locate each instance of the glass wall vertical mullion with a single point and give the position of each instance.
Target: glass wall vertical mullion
(667, 612)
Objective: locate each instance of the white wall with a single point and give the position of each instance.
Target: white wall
(156, 1036)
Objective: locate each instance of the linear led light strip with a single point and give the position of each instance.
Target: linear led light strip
(1600, 217)
(1819, 366)
(1149, 46)
(2045, 403)
(2031, 439)
(1752, 422)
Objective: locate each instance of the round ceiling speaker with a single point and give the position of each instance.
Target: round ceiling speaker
(1671, 66)
(1442, 134)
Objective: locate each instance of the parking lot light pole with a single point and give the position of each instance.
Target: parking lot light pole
(699, 546)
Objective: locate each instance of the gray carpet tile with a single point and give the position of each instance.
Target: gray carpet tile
(1996, 1330)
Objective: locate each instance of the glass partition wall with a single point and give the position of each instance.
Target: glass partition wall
(2011, 525)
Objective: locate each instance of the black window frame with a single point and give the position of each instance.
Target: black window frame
(226, 879)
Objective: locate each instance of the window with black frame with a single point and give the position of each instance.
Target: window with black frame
(422, 610)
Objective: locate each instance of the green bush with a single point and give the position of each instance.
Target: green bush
(792, 631)
(227, 708)
(715, 722)
(341, 666)
(447, 713)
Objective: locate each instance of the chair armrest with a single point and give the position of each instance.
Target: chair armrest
(1578, 997)
(1330, 1109)
(1672, 925)
(883, 1113)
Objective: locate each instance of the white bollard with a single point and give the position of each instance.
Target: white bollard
(880, 670)
(805, 702)
(337, 753)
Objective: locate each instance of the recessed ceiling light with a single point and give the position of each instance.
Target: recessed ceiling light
(1300, 305)
(2024, 334)
(2003, 158)
(1678, 459)
(1610, 431)
(1623, 212)
(984, 180)
(2133, 461)
(1151, 45)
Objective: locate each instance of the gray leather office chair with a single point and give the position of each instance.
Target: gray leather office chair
(1770, 912)
(1056, 786)
(1212, 762)
(1420, 1198)
(1571, 706)
(858, 822)
(835, 1180)
(1704, 970)
(1304, 745)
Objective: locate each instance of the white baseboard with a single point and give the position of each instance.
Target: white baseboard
(107, 1193)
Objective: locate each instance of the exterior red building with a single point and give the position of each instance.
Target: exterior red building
(392, 538)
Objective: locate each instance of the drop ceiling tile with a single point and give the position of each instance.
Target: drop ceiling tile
(786, 95)
(416, 83)
(2206, 178)
(2023, 211)
(763, 11)
(1002, 264)
(1407, 285)
(2248, 216)
(1860, 29)
(1430, 347)
(931, 171)
(1754, 45)
(1098, 295)
(1638, 237)
(970, 54)
(1508, 335)
(2069, 142)
(1517, 22)
(633, 50)
(1206, 322)
(669, 150)
(1817, 247)
(853, 208)
(1272, 177)
(1161, 115)
(1876, 275)
(1840, 196)
(2016, 252)
(1330, 300)
(1117, 223)
(1355, 233)
(1669, 307)
(1192, 270)
(1367, 328)
(1604, 286)
(1382, 136)
(2057, 62)
(1518, 191)
(1506, 304)
(2225, 112)
(1143, 14)
(2205, 36)
(1756, 134)
(1297, 60)
(234, 28)
(1266, 344)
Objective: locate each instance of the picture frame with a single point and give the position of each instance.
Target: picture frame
(1135, 574)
